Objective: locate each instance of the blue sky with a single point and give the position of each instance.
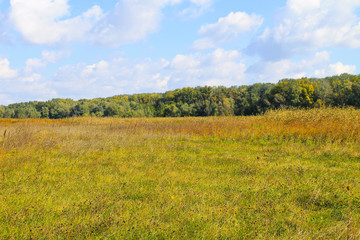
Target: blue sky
(87, 49)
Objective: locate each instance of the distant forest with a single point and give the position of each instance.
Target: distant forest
(337, 91)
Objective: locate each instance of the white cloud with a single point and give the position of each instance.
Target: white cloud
(217, 68)
(339, 68)
(107, 78)
(307, 25)
(54, 56)
(335, 69)
(29, 88)
(5, 71)
(38, 21)
(274, 71)
(198, 8)
(27, 83)
(119, 76)
(182, 62)
(33, 78)
(35, 64)
(130, 21)
(25, 87)
(316, 66)
(227, 29)
(232, 25)
(50, 21)
(203, 44)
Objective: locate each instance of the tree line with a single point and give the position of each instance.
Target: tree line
(342, 90)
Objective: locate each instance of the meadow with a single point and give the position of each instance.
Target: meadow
(289, 174)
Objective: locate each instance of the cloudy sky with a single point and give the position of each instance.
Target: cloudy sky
(85, 49)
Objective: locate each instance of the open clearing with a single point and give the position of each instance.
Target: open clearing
(285, 175)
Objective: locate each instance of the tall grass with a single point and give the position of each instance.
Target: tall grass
(284, 175)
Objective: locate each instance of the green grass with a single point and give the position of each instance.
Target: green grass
(277, 176)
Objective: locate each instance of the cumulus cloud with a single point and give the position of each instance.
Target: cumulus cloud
(198, 8)
(5, 71)
(130, 21)
(106, 78)
(133, 20)
(34, 88)
(203, 44)
(120, 76)
(339, 68)
(274, 71)
(232, 25)
(335, 69)
(227, 29)
(35, 64)
(123, 76)
(50, 21)
(54, 56)
(317, 66)
(22, 85)
(307, 25)
(183, 63)
(38, 21)
(219, 67)
(27, 83)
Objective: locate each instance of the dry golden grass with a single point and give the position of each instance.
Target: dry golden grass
(285, 175)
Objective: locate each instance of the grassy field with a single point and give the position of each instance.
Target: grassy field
(285, 175)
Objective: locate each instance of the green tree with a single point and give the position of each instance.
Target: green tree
(2, 111)
(172, 111)
(45, 113)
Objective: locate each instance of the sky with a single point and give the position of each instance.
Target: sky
(87, 49)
